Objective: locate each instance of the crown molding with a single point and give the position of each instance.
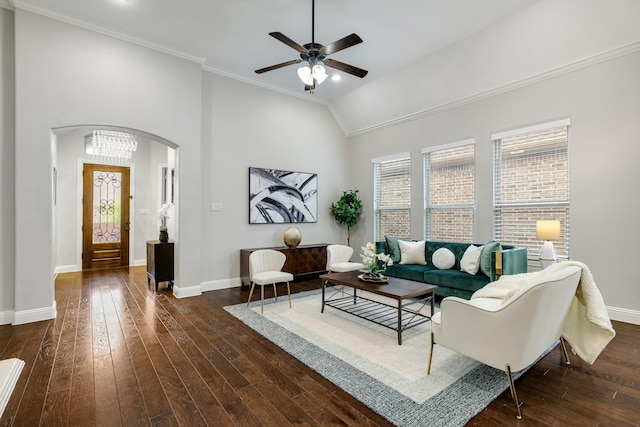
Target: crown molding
(6, 4)
(19, 4)
(537, 78)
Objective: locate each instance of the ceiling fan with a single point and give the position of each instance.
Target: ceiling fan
(315, 55)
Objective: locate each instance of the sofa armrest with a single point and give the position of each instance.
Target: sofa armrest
(508, 261)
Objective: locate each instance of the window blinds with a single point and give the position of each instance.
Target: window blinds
(531, 183)
(450, 192)
(392, 196)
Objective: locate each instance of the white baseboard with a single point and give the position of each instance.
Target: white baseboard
(215, 285)
(138, 263)
(188, 291)
(67, 269)
(6, 317)
(624, 315)
(35, 315)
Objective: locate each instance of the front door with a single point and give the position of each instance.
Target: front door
(105, 216)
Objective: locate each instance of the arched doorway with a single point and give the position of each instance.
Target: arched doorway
(148, 190)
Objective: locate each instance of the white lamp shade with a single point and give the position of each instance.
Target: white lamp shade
(319, 73)
(305, 75)
(548, 230)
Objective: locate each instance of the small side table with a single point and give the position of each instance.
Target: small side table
(159, 262)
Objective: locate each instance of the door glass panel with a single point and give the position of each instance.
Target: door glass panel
(107, 198)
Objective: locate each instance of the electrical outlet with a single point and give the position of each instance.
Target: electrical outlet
(216, 207)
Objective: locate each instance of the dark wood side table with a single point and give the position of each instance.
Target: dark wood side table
(302, 261)
(159, 262)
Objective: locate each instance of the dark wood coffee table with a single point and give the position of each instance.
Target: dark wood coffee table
(399, 317)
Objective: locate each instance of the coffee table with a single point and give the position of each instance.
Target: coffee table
(398, 317)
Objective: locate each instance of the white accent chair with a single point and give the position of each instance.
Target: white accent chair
(338, 257)
(512, 332)
(265, 268)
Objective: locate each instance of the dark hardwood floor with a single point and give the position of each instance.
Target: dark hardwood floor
(120, 354)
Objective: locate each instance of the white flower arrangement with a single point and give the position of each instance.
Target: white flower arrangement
(373, 262)
(163, 214)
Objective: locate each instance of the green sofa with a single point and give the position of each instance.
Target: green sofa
(454, 282)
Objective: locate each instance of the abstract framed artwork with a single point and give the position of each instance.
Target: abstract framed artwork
(277, 196)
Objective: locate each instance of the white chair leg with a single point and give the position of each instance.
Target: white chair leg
(289, 294)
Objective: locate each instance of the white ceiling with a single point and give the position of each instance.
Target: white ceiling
(231, 36)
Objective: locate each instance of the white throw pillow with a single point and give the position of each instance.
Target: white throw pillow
(412, 252)
(443, 259)
(470, 262)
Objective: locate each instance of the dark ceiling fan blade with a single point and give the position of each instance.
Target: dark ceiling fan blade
(358, 72)
(286, 40)
(275, 67)
(343, 43)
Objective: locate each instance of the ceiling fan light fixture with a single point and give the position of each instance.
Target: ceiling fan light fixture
(319, 73)
(305, 75)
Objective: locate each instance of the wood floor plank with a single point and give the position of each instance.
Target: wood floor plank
(119, 353)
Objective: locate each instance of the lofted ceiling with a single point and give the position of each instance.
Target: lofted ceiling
(230, 37)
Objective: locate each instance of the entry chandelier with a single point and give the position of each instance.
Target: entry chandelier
(111, 144)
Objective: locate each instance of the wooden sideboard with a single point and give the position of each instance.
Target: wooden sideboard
(304, 261)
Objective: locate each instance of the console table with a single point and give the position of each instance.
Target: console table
(159, 262)
(302, 261)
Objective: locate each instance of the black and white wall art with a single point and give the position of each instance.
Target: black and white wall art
(277, 196)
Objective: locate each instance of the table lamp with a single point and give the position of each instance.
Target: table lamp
(548, 230)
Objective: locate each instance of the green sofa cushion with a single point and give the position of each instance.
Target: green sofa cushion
(456, 279)
(485, 257)
(408, 271)
(393, 247)
(457, 249)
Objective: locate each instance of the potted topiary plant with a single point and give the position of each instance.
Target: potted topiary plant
(347, 211)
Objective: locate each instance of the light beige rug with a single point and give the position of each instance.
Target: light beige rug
(373, 348)
(366, 361)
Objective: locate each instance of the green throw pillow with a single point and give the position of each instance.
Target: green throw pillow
(485, 257)
(394, 247)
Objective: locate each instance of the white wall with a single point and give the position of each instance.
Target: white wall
(543, 38)
(246, 126)
(72, 76)
(7, 153)
(603, 102)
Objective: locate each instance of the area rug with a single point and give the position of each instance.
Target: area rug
(9, 372)
(366, 361)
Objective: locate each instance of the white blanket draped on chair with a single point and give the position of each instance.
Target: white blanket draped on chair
(587, 327)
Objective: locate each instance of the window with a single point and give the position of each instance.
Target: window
(392, 196)
(531, 183)
(449, 177)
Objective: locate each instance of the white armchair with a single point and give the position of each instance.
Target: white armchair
(265, 268)
(512, 332)
(338, 259)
